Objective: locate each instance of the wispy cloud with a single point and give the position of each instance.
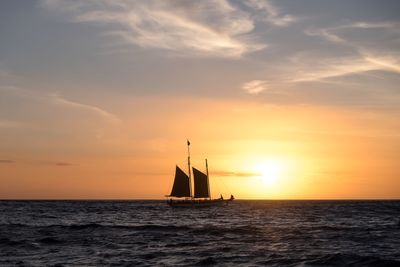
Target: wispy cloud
(255, 87)
(354, 52)
(388, 63)
(55, 99)
(362, 60)
(49, 162)
(211, 28)
(332, 34)
(332, 67)
(352, 48)
(6, 161)
(271, 13)
(58, 100)
(62, 163)
(235, 174)
(325, 33)
(372, 25)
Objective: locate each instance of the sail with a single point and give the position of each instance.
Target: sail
(200, 184)
(181, 187)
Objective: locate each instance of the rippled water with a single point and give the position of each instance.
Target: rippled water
(244, 233)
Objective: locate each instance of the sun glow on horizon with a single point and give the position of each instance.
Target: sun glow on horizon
(269, 176)
(270, 171)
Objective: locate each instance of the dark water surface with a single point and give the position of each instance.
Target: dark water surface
(244, 233)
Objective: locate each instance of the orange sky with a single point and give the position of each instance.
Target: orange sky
(254, 151)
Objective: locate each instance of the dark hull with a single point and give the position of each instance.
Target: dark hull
(194, 203)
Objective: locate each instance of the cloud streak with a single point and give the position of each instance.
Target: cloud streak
(62, 163)
(271, 13)
(333, 68)
(254, 87)
(310, 67)
(235, 174)
(202, 28)
(57, 100)
(6, 161)
(49, 163)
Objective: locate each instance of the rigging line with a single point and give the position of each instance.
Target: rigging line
(229, 190)
(217, 184)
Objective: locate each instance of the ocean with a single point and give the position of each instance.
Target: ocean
(243, 233)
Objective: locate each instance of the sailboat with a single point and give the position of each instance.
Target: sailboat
(181, 193)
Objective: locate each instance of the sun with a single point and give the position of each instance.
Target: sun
(269, 171)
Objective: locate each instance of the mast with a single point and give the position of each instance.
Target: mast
(190, 176)
(208, 181)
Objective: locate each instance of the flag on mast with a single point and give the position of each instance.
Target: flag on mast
(188, 143)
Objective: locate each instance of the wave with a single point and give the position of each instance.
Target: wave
(50, 241)
(80, 226)
(8, 242)
(93, 226)
(209, 261)
(147, 233)
(219, 230)
(351, 260)
(207, 229)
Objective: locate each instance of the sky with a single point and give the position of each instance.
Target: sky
(286, 99)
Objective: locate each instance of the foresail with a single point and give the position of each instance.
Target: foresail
(181, 187)
(201, 187)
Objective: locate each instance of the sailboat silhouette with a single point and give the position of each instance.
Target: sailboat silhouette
(182, 188)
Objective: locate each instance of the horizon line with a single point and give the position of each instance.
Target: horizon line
(236, 199)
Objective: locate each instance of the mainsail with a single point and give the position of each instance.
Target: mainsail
(201, 187)
(181, 187)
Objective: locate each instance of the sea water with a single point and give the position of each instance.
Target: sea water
(242, 233)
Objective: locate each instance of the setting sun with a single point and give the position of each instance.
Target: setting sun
(269, 171)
